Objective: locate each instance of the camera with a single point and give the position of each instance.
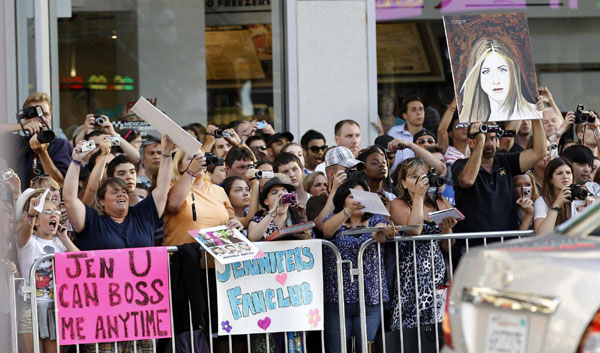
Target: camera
(114, 141)
(291, 198)
(577, 192)
(45, 135)
(88, 146)
(7, 175)
(31, 112)
(99, 120)
(259, 174)
(434, 179)
(526, 191)
(220, 133)
(553, 149)
(581, 117)
(261, 125)
(212, 160)
(485, 128)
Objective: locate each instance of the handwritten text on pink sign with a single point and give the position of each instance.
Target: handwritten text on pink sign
(112, 295)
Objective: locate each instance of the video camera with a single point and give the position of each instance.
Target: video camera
(487, 128)
(581, 117)
(260, 174)
(45, 135)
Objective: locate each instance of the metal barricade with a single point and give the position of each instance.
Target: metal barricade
(414, 239)
(31, 290)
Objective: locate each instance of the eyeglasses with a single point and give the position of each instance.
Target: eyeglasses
(49, 212)
(422, 141)
(316, 149)
(262, 147)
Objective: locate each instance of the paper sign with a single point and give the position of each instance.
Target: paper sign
(161, 122)
(40, 206)
(112, 295)
(282, 291)
(439, 216)
(371, 201)
(226, 245)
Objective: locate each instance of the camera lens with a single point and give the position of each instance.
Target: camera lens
(100, 120)
(45, 136)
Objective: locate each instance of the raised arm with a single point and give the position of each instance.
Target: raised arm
(75, 208)
(163, 179)
(528, 158)
(442, 132)
(41, 149)
(508, 142)
(254, 196)
(27, 222)
(131, 152)
(209, 140)
(339, 178)
(467, 176)
(181, 189)
(96, 175)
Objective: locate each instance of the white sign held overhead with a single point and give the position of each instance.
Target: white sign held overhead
(371, 201)
(161, 122)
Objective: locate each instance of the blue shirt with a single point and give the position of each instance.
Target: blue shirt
(137, 231)
(400, 132)
(348, 246)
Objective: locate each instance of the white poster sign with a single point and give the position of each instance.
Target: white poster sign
(282, 291)
(161, 122)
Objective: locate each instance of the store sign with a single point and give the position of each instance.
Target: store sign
(221, 6)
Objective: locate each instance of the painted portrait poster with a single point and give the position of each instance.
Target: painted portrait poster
(226, 245)
(492, 66)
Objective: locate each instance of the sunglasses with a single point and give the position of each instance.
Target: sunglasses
(422, 141)
(316, 149)
(261, 147)
(49, 212)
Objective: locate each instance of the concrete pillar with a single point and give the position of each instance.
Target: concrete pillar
(331, 66)
(8, 63)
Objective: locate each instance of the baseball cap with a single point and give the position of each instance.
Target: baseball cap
(276, 136)
(423, 132)
(342, 156)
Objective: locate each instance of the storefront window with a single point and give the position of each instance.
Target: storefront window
(208, 63)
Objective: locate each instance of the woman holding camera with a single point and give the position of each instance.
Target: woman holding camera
(278, 212)
(412, 207)
(194, 202)
(558, 193)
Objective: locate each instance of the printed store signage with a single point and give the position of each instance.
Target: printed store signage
(280, 292)
(112, 295)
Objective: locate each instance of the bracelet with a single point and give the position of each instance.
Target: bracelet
(345, 212)
(191, 173)
(596, 135)
(77, 163)
(253, 178)
(554, 208)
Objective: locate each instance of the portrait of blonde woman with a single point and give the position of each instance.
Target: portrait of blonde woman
(492, 89)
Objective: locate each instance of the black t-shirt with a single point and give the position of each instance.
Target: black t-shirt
(28, 165)
(137, 231)
(488, 205)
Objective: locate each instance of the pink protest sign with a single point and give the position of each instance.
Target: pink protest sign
(112, 295)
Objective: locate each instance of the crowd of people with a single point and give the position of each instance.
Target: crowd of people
(127, 190)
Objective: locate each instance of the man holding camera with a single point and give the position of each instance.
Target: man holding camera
(37, 151)
(483, 183)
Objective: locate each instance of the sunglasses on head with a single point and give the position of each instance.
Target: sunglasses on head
(316, 149)
(421, 141)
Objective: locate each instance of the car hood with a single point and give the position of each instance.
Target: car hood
(567, 268)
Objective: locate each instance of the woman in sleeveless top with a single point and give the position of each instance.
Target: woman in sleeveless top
(412, 207)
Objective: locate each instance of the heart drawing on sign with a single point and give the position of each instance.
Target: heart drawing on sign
(264, 323)
(281, 278)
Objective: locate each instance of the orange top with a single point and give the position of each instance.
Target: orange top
(212, 209)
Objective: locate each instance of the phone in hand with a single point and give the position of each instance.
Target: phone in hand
(261, 125)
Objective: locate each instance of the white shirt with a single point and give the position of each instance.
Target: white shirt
(400, 132)
(34, 249)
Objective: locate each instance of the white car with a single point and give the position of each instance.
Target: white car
(534, 295)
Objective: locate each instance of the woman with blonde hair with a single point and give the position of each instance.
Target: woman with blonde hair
(492, 89)
(194, 202)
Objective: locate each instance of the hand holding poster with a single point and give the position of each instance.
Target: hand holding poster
(282, 291)
(226, 245)
(112, 295)
(492, 66)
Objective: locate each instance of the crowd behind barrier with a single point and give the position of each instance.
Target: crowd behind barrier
(103, 189)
